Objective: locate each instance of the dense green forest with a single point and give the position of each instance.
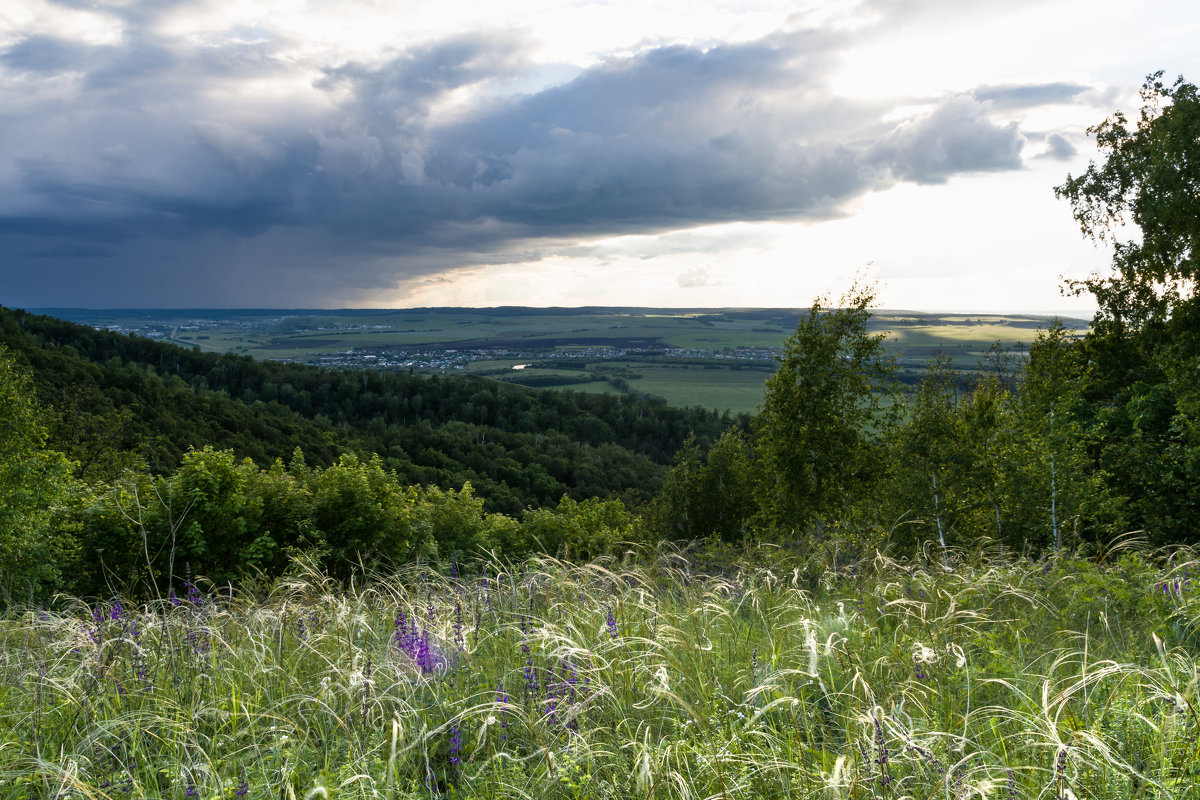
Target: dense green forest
(125, 462)
(119, 401)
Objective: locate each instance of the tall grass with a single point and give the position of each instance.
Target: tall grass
(772, 677)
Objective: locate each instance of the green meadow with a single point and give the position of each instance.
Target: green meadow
(759, 673)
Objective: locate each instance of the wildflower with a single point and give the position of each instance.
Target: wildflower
(1010, 782)
(455, 745)
(1060, 773)
(919, 671)
(926, 755)
(881, 751)
(611, 622)
(531, 681)
(243, 788)
(117, 611)
(192, 791)
(502, 699)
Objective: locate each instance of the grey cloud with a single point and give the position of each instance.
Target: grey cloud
(248, 153)
(1030, 95)
(377, 182)
(43, 54)
(956, 137)
(1059, 147)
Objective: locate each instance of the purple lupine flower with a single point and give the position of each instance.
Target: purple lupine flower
(243, 788)
(192, 791)
(401, 635)
(881, 752)
(567, 668)
(455, 745)
(925, 754)
(610, 621)
(142, 668)
(175, 601)
(117, 611)
(531, 681)
(502, 699)
(1010, 781)
(453, 570)
(919, 671)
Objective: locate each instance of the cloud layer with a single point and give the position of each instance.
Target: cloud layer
(226, 170)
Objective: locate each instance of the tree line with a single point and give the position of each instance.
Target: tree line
(122, 458)
(1091, 436)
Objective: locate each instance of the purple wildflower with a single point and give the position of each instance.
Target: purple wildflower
(243, 788)
(455, 745)
(502, 699)
(919, 671)
(531, 681)
(881, 752)
(610, 621)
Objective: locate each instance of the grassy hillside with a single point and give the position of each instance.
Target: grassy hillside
(774, 677)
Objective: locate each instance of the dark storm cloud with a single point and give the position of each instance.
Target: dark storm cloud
(373, 178)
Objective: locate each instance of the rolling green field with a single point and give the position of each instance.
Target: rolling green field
(714, 358)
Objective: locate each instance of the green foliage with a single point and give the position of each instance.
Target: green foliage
(582, 530)
(35, 483)
(707, 494)
(361, 514)
(816, 439)
(1148, 178)
(1144, 347)
(931, 453)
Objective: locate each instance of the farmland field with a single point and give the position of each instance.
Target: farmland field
(714, 358)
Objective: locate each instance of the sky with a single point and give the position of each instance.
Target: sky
(674, 153)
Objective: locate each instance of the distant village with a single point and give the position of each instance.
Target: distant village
(192, 332)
